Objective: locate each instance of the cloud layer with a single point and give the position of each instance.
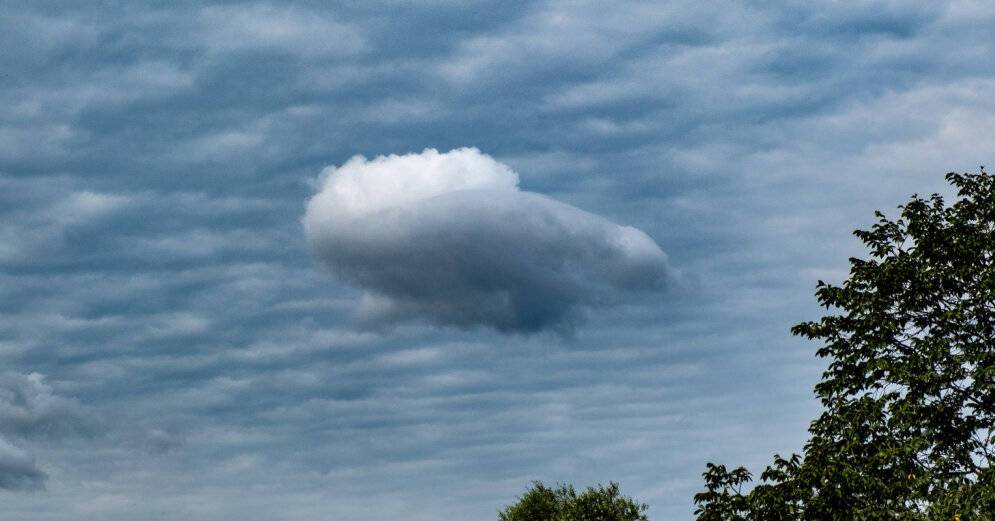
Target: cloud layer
(450, 238)
(153, 162)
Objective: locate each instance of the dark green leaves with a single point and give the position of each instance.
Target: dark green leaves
(909, 391)
(602, 503)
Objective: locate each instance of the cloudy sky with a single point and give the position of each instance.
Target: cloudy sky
(378, 259)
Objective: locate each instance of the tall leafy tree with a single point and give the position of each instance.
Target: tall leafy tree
(908, 426)
(602, 503)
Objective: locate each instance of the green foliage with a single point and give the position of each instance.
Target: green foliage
(602, 503)
(908, 428)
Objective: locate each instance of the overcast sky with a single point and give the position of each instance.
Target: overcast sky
(380, 259)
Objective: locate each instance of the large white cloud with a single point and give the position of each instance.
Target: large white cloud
(449, 237)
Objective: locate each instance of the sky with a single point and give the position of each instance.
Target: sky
(379, 259)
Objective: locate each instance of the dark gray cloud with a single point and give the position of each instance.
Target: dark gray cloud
(18, 470)
(449, 237)
(153, 162)
(29, 408)
(159, 441)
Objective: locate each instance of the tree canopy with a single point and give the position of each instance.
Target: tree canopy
(907, 430)
(601, 503)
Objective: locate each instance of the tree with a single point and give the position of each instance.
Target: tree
(908, 426)
(602, 503)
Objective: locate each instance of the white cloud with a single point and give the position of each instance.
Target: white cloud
(450, 238)
(86, 206)
(234, 28)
